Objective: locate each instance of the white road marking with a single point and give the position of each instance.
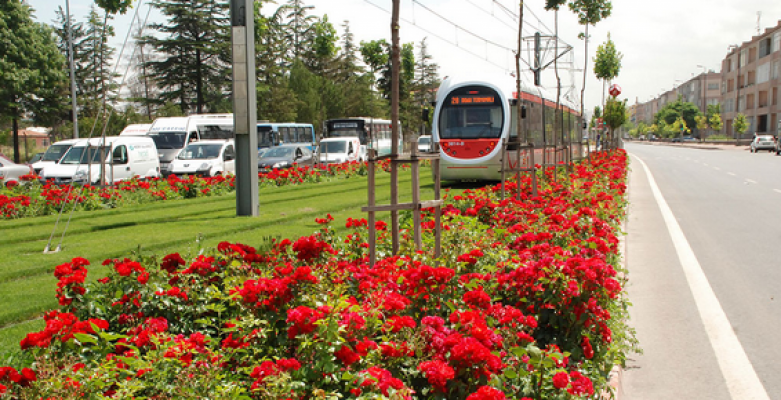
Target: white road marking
(739, 375)
(731, 173)
(777, 191)
(717, 168)
(706, 165)
(750, 180)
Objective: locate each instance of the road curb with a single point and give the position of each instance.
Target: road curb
(616, 390)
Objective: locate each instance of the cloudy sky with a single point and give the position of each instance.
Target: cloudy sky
(663, 42)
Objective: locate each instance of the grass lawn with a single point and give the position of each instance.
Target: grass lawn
(27, 286)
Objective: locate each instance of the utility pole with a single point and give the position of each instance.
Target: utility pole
(74, 104)
(245, 107)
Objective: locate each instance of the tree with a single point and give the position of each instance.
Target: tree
(426, 81)
(300, 28)
(276, 101)
(607, 63)
(33, 76)
(356, 84)
(193, 69)
(615, 114)
(98, 83)
(679, 127)
(678, 109)
(702, 124)
(114, 6)
(715, 122)
(740, 125)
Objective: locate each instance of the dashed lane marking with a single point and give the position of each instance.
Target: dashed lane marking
(741, 378)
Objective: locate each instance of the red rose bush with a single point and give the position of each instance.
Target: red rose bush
(526, 301)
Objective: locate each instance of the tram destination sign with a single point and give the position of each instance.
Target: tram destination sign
(472, 100)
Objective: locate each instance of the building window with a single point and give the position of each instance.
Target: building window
(777, 41)
(763, 73)
(762, 123)
(776, 69)
(764, 47)
(713, 86)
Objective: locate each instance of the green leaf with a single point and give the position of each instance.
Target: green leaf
(85, 338)
(510, 374)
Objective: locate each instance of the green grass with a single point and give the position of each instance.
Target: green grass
(27, 285)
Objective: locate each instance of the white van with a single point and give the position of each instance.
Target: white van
(339, 150)
(206, 158)
(135, 130)
(123, 158)
(53, 154)
(171, 134)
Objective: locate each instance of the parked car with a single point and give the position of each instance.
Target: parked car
(340, 149)
(285, 156)
(125, 158)
(205, 158)
(10, 171)
(424, 143)
(763, 142)
(681, 139)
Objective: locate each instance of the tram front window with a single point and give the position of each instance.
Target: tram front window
(471, 113)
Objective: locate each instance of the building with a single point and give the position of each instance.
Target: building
(750, 83)
(34, 138)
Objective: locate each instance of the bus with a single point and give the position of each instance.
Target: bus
(172, 134)
(474, 114)
(272, 134)
(374, 133)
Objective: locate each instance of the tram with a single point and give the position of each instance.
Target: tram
(474, 114)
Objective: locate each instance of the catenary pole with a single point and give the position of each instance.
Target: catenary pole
(245, 107)
(74, 105)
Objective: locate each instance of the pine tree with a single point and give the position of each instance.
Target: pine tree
(98, 82)
(193, 70)
(276, 101)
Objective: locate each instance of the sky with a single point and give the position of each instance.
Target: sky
(664, 43)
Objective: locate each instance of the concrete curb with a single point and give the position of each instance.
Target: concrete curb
(617, 373)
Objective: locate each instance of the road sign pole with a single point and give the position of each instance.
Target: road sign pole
(245, 107)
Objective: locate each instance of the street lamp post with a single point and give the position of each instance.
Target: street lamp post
(704, 99)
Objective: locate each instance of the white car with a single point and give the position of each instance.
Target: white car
(338, 150)
(763, 142)
(205, 158)
(424, 143)
(10, 171)
(125, 157)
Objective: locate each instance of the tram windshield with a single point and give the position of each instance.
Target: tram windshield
(471, 112)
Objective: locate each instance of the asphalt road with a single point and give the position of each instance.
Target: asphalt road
(727, 204)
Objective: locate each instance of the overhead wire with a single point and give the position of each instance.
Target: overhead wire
(438, 36)
(92, 131)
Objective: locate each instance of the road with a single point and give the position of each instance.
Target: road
(705, 283)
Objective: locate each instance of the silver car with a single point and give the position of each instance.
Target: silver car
(763, 142)
(10, 171)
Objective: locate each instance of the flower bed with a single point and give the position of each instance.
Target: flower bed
(35, 199)
(526, 302)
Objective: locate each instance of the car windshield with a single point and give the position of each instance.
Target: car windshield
(169, 140)
(78, 155)
(764, 138)
(333, 147)
(424, 140)
(200, 151)
(55, 152)
(279, 152)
